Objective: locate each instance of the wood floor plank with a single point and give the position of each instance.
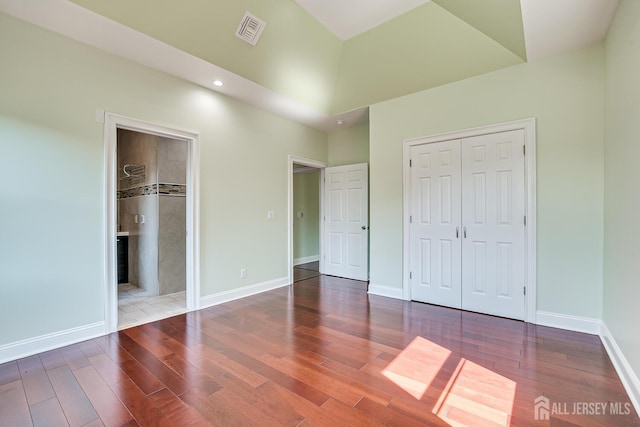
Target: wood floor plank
(13, 406)
(158, 369)
(141, 376)
(176, 410)
(143, 409)
(52, 359)
(48, 413)
(196, 378)
(90, 348)
(74, 357)
(351, 416)
(76, 405)
(148, 343)
(108, 370)
(238, 370)
(303, 390)
(322, 381)
(9, 372)
(391, 416)
(217, 414)
(256, 405)
(313, 414)
(35, 380)
(105, 402)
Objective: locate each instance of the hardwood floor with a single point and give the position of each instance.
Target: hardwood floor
(321, 352)
(306, 271)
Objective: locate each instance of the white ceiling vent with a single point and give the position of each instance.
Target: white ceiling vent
(250, 29)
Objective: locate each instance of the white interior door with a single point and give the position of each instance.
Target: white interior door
(435, 223)
(493, 272)
(346, 219)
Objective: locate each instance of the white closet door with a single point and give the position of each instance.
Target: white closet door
(493, 270)
(435, 221)
(347, 221)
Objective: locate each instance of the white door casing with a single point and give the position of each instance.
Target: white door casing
(435, 223)
(113, 122)
(493, 206)
(346, 216)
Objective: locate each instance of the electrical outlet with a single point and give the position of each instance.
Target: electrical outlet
(243, 273)
(271, 215)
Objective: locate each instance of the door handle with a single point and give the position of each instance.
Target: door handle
(464, 232)
(364, 227)
(457, 232)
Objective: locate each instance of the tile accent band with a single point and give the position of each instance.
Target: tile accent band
(163, 189)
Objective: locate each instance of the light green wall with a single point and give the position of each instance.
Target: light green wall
(622, 199)
(565, 94)
(296, 55)
(52, 169)
(499, 19)
(422, 49)
(306, 230)
(349, 146)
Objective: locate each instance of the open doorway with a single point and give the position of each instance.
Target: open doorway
(306, 199)
(306, 222)
(152, 222)
(151, 227)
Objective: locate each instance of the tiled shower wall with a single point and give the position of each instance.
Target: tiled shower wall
(139, 149)
(157, 247)
(172, 229)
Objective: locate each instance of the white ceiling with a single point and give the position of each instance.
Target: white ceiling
(555, 26)
(348, 18)
(550, 26)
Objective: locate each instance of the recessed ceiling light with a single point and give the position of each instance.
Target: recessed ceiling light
(218, 83)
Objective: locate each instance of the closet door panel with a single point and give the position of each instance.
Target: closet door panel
(493, 208)
(435, 224)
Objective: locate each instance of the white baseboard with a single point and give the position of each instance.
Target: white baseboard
(31, 346)
(628, 377)
(305, 260)
(385, 291)
(226, 296)
(571, 323)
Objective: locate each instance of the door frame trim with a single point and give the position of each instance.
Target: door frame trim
(313, 164)
(113, 122)
(529, 127)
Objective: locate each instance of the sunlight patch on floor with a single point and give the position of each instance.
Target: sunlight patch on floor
(415, 368)
(476, 396)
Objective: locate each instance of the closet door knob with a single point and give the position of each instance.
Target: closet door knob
(457, 232)
(464, 232)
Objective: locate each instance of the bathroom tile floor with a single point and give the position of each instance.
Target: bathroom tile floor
(136, 308)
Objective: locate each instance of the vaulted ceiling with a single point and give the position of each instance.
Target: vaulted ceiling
(321, 60)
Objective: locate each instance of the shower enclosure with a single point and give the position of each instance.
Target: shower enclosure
(152, 210)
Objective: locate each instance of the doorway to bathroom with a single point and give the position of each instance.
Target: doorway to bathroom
(151, 227)
(151, 222)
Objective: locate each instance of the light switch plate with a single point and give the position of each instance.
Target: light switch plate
(271, 215)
